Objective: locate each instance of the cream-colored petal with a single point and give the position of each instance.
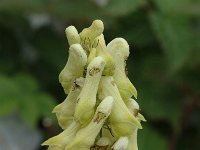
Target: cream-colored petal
(102, 144)
(121, 120)
(63, 138)
(119, 49)
(87, 99)
(121, 144)
(141, 117)
(101, 51)
(93, 31)
(72, 35)
(74, 67)
(133, 141)
(89, 34)
(65, 110)
(92, 55)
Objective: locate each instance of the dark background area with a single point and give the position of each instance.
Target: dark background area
(164, 66)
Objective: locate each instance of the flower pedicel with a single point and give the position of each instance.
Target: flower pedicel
(99, 112)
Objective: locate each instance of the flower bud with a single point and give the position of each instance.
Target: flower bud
(87, 99)
(72, 35)
(119, 49)
(74, 67)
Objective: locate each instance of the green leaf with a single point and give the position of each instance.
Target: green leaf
(175, 35)
(180, 7)
(21, 94)
(119, 7)
(28, 109)
(8, 99)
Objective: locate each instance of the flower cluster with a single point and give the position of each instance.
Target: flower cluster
(99, 112)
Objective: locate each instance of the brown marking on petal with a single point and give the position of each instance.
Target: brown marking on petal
(75, 86)
(84, 72)
(126, 71)
(77, 100)
(135, 112)
(99, 117)
(93, 71)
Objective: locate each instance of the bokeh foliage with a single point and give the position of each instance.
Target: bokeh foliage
(164, 37)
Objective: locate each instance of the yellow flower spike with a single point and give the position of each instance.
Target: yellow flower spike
(113, 125)
(101, 51)
(102, 144)
(119, 49)
(88, 35)
(64, 138)
(74, 67)
(87, 99)
(72, 35)
(86, 136)
(65, 110)
(121, 121)
(121, 144)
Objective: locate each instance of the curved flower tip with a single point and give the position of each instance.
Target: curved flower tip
(57, 108)
(119, 46)
(93, 31)
(141, 117)
(63, 138)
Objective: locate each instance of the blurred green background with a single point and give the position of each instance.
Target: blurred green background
(164, 65)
